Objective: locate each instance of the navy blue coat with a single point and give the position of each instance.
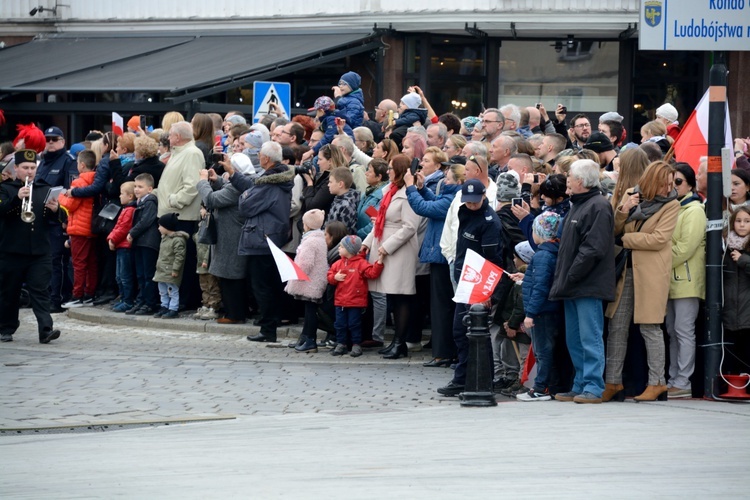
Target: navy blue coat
(479, 231)
(538, 279)
(351, 107)
(435, 208)
(57, 169)
(265, 203)
(145, 230)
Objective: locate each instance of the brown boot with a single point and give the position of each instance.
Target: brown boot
(613, 392)
(653, 393)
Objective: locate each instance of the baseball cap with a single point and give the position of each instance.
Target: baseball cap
(472, 191)
(53, 132)
(454, 160)
(323, 102)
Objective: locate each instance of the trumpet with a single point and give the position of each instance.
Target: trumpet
(26, 214)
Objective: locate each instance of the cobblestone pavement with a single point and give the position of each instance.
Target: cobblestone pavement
(112, 373)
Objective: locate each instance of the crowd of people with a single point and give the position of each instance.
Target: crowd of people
(379, 211)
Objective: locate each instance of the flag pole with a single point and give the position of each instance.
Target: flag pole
(716, 136)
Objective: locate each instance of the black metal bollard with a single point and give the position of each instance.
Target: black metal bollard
(478, 389)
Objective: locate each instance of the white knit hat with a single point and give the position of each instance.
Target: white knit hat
(667, 111)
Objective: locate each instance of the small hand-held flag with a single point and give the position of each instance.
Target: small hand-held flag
(117, 124)
(288, 270)
(479, 277)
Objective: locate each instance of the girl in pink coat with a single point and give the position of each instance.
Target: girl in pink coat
(312, 258)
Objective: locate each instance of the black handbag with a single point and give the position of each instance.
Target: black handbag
(104, 221)
(207, 231)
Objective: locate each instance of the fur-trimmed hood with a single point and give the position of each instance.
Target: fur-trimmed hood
(280, 174)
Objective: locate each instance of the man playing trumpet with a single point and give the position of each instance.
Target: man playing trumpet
(24, 247)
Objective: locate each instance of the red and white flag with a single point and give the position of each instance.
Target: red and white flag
(117, 124)
(692, 143)
(288, 270)
(479, 277)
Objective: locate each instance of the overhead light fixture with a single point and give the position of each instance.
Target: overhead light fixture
(571, 43)
(475, 32)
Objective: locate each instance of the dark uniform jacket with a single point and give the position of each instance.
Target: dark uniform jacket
(479, 231)
(20, 237)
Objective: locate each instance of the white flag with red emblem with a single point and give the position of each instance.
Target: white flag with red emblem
(117, 124)
(288, 270)
(478, 280)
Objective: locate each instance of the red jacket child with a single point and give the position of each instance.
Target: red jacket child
(119, 234)
(352, 292)
(80, 210)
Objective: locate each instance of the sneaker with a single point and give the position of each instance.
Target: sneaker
(512, 389)
(587, 398)
(87, 301)
(339, 350)
(414, 346)
(566, 396)
(356, 351)
(209, 313)
(327, 344)
(677, 393)
(73, 304)
(122, 307)
(115, 304)
(6, 337)
(170, 314)
(161, 312)
(533, 395)
(199, 312)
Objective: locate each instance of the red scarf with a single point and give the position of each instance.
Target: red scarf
(380, 220)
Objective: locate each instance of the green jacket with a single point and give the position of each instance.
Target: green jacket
(203, 254)
(689, 250)
(171, 258)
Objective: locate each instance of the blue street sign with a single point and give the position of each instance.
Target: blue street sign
(265, 93)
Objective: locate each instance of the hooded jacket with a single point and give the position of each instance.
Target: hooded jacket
(538, 280)
(405, 121)
(352, 292)
(124, 223)
(145, 230)
(344, 209)
(80, 210)
(265, 203)
(351, 107)
(312, 258)
(172, 250)
(689, 250)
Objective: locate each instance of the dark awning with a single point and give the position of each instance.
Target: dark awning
(175, 64)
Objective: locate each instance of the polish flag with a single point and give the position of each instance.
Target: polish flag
(479, 277)
(117, 124)
(692, 143)
(288, 270)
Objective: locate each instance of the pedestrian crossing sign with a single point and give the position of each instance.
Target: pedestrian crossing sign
(266, 93)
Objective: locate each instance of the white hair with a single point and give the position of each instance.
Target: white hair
(345, 142)
(183, 129)
(442, 130)
(514, 113)
(586, 171)
(477, 148)
(263, 131)
(272, 151)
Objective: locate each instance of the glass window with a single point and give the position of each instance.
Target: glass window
(457, 74)
(582, 76)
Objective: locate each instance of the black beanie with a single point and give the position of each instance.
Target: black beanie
(168, 221)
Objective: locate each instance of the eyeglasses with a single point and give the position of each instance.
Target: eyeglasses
(678, 182)
(491, 121)
(582, 125)
(53, 139)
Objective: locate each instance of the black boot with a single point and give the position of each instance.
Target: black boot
(399, 349)
(389, 347)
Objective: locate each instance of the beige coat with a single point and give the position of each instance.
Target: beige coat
(652, 262)
(400, 241)
(178, 191)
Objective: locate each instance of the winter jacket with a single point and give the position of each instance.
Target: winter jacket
(689, 250)
(145, 230)
(478, 230)
(400, 240)
(426, 204)
(151, 165)
(265, 203)
(328, 125)
(100, 184)
(586, 259)
(651, 245)
(80, 210)
(222, 198)
(171, 260)
(513, 313)
(317, 196)
(364, 223)
(124, 223)
(434, 179)
(736, 311)
(57, 169)
(510, 236)
(351, 107)
(344, 209)
(177, 187)
(352, 292)
(312, 258)
(538, 280)
(409, 117)
(202, 252)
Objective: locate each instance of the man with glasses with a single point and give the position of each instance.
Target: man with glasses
(580, 130)
(57, 168)
(491, 124)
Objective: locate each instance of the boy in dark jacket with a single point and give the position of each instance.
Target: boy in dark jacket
(346, 201)
(542, 314)
(144, 239)
(349, 275)
(350, 102)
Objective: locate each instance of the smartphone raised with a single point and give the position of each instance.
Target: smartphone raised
(371, 211)
(536, 178)
(517, 202)
(143, 122)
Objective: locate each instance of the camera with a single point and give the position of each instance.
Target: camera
(306, 168)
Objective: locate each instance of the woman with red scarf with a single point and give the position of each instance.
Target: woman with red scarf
(394, 237)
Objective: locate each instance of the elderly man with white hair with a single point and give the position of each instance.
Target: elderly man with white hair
(178, 193)
(585, 278)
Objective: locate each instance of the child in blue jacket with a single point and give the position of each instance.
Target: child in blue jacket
(350, 102)
(542, 314)
(326, 115)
